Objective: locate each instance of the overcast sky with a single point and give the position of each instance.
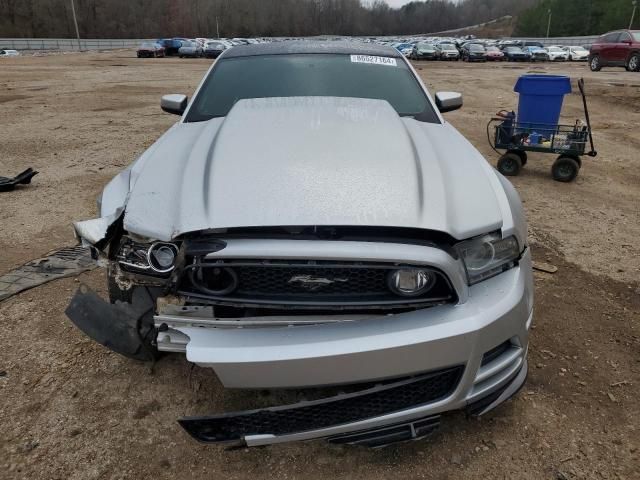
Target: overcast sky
(397, 3)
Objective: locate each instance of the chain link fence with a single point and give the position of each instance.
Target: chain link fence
(67, 43)
(568, 41)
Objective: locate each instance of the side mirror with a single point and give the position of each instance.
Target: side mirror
(174, 103)
(448, 101)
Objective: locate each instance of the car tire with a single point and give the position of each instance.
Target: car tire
(633, 64)
(565, 169)
(510, 165)
(522, 154)
(594, 63)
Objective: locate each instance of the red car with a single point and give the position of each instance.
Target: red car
(149, 49)
(495, 54)
(616, 49)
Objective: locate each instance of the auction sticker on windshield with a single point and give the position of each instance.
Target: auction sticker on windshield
(374, 60)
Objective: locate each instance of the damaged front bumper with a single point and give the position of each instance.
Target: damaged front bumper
(408, 409)
(410, 367)
(474, 356)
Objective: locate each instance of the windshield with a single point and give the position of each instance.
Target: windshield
(188, 44)
(426, 46)
(476, 48)
(148, 45)
(555, 49)
(636, 36)
(448, 47)
(514, 50)
(578, 49)
(217, 46)
(311, 75)
(493, 49)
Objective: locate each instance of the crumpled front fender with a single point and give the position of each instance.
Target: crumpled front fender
(95, 232)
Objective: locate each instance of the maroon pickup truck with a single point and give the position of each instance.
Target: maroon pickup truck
(616, 49)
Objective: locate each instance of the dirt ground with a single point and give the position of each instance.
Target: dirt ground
(69, 409)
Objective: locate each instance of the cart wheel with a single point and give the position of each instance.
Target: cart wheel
(522, 154)
(565, 169)
(510, 164)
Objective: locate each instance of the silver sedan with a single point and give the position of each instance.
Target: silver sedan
(311, 221)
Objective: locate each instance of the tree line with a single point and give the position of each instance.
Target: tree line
(575, 17)
(243, 18)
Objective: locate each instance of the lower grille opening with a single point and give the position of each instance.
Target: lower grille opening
(495, 352)
(341, 409)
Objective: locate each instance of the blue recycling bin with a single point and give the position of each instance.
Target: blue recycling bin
(541, 98)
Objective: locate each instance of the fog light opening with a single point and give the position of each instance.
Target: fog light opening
(411, 282)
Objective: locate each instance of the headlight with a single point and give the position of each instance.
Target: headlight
(487, 256)
(153, 259)
(162, 257)
(411, 282)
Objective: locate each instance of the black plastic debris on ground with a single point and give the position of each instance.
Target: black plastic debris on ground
(7, 184)
(61, 263)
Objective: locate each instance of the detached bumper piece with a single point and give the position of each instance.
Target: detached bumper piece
(372, 402)
(7, 184)
(125, 328)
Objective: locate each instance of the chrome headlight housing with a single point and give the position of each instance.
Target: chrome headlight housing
(487, 256)
(158, 258)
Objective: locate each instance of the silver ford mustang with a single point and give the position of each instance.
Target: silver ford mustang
(313, 222)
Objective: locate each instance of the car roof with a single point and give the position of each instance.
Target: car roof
(312, 46)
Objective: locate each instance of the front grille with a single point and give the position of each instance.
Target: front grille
(310, 283)
(338, 410)
(347, 281)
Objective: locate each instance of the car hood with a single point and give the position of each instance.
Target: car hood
(311, 161)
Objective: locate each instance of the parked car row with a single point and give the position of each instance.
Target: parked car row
(191, 48)
(489, 50)
(620, 48)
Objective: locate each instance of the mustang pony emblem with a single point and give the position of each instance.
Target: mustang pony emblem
(314, 283)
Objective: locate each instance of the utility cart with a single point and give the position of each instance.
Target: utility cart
(522, 133)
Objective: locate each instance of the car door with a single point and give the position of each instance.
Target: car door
(623, 47)
(608, 49)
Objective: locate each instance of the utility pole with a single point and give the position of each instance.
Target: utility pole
(217, 27)
(633, 13)
(549, 23)
(75, 22)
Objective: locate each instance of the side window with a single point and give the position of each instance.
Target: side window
(624, 37)
(611, 37)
